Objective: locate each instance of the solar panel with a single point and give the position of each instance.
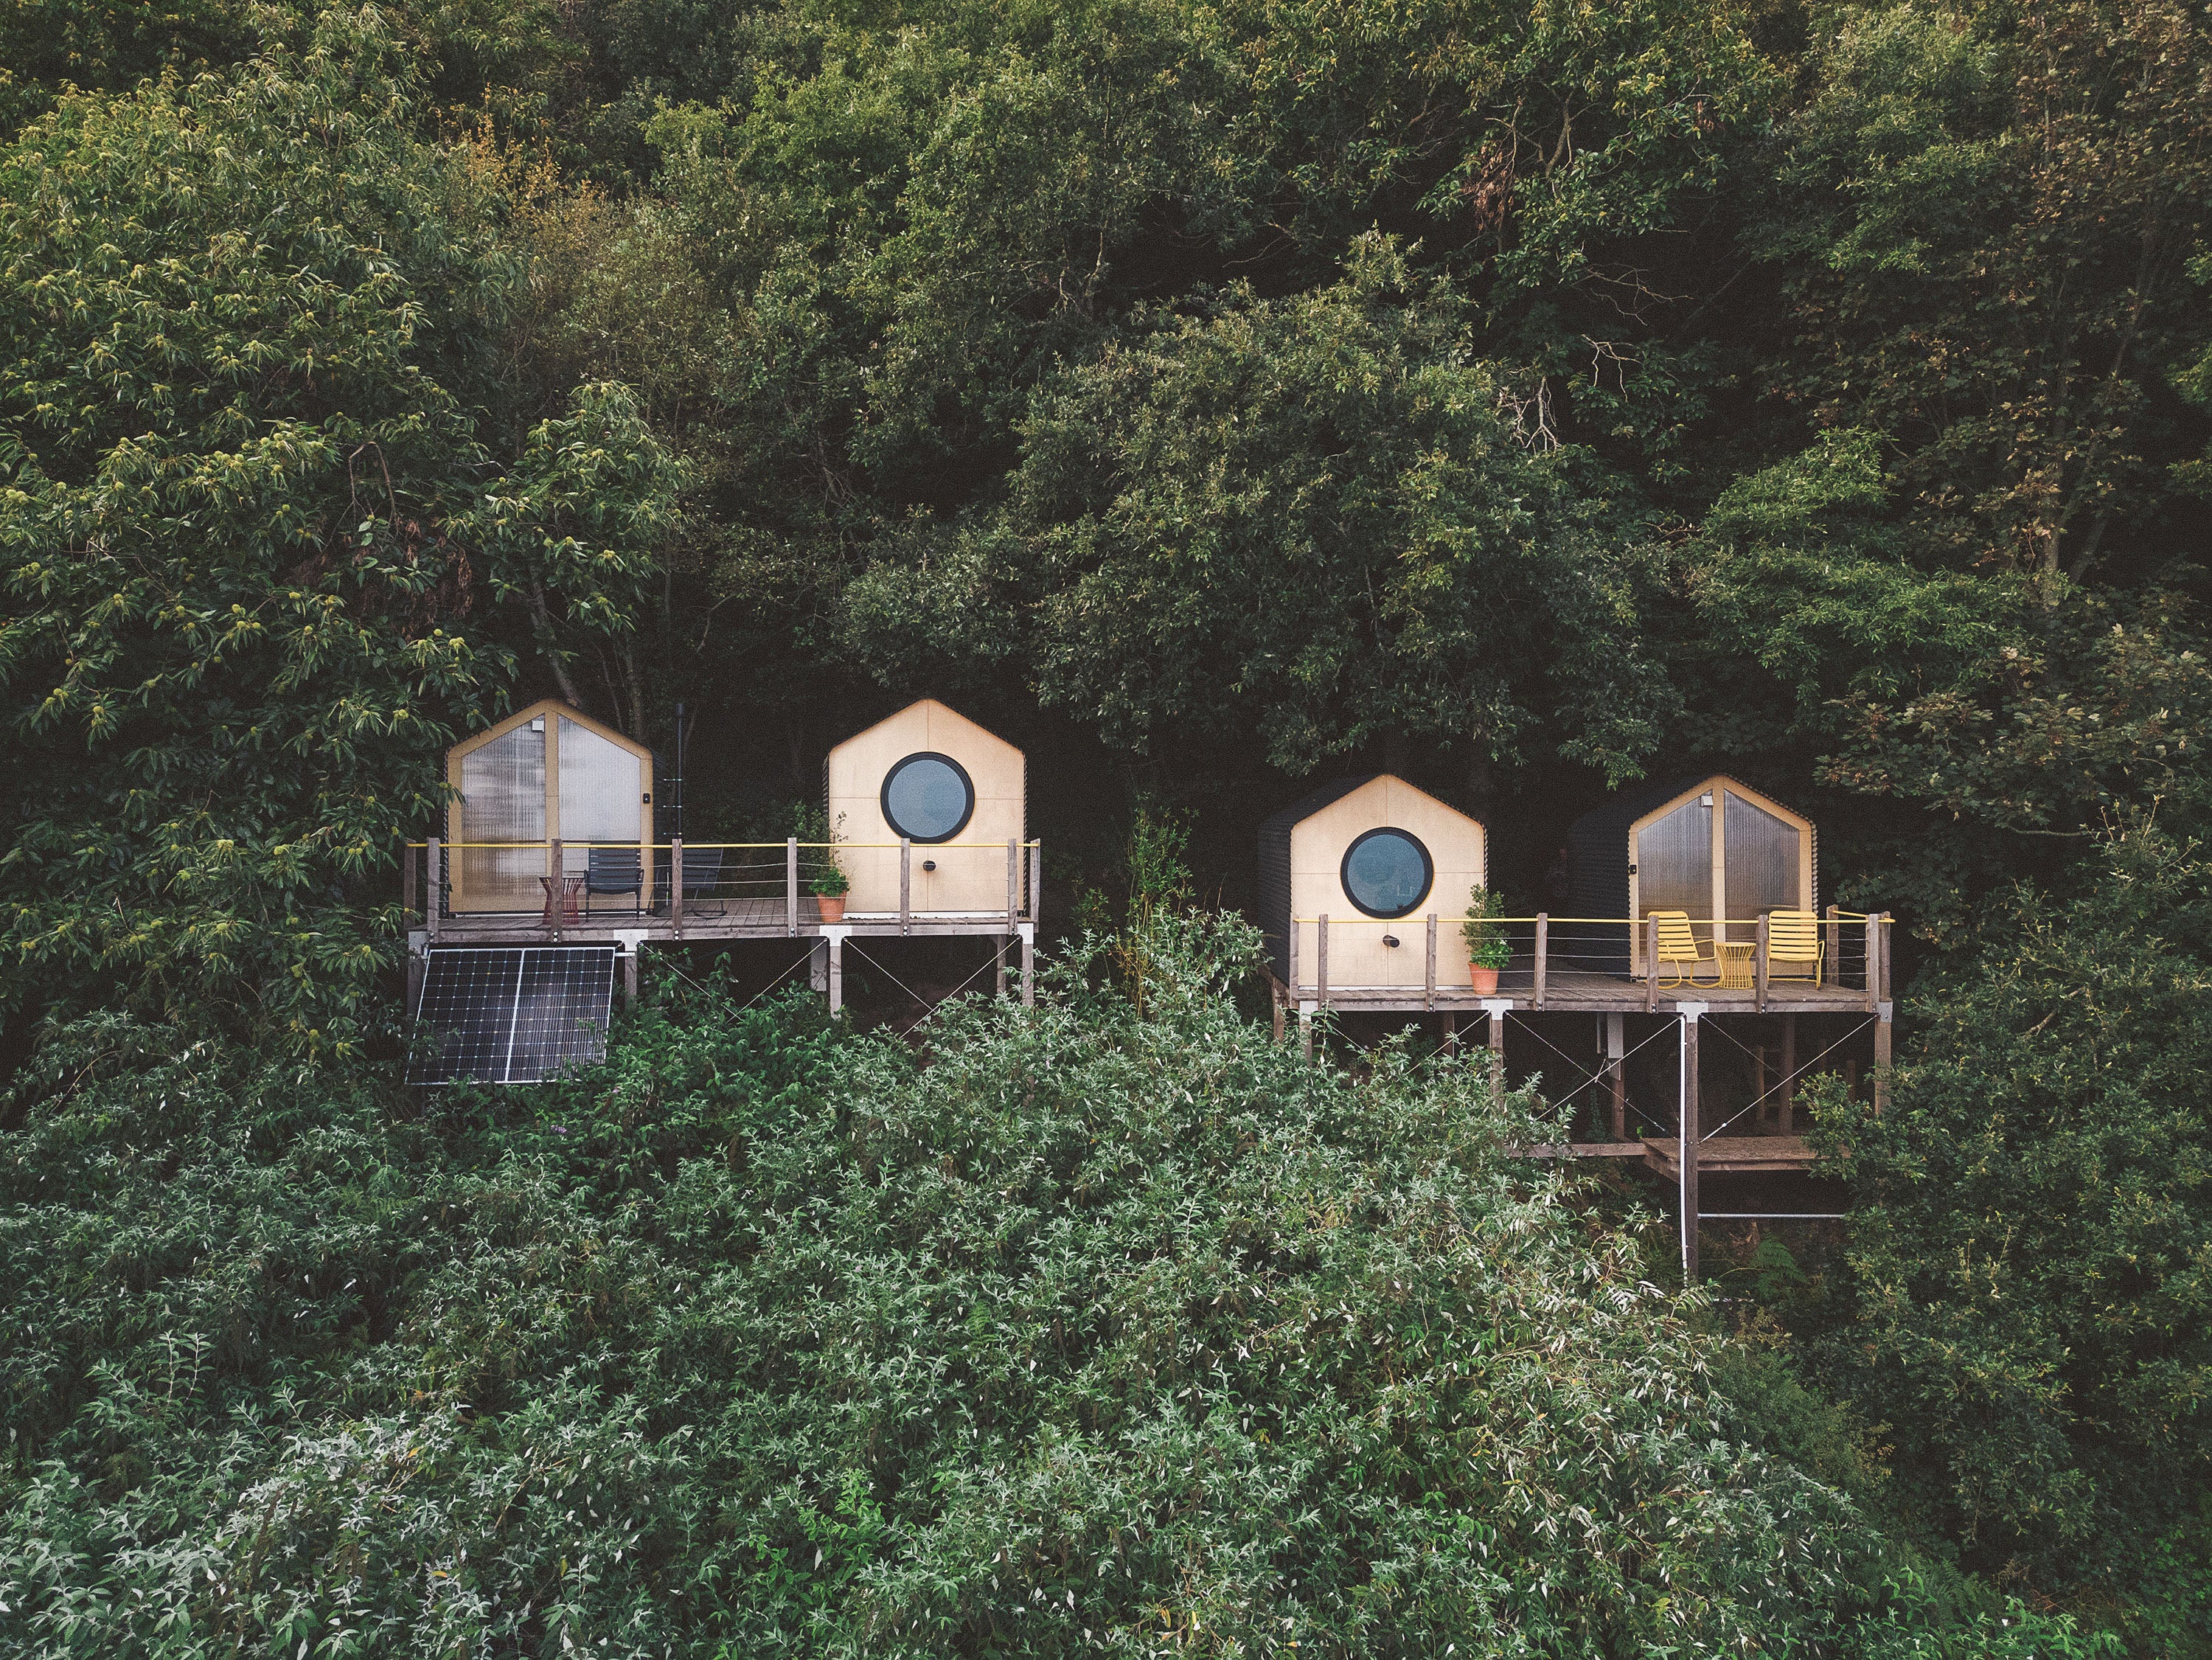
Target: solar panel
(512, 1014)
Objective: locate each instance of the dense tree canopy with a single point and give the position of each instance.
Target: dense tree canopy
(1211, 395)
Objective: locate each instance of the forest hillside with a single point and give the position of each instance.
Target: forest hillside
(1213, 398)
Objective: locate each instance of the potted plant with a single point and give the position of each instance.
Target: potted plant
(1488, 950)
(828, 884)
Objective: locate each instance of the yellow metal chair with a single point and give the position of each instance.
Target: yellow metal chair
(1678, 944)
(1793, 943)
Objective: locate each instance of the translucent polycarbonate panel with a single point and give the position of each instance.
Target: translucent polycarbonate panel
(1387, 872)
(601, 795)
(503, 800)
(1674, 862)
(1761, 861)
(927, 798)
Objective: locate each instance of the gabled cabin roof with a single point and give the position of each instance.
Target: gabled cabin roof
(548, 706)
(1618, 813)
(1313, 801)
(937, 703)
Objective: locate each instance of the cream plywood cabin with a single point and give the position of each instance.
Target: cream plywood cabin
(1716, 849)
(547, 773)
(957, 791)
(1377, 857)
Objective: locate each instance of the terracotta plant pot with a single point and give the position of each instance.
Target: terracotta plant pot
(833, 908)
(1486, 980)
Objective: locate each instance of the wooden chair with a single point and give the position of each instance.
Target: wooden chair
(1678, 944)
(1793, 945)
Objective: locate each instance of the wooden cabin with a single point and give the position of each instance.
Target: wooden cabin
(550, 775)
(1718, 850)
(1379, 858)
(952, 792)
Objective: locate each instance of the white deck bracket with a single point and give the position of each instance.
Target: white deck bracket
(1497, 1007)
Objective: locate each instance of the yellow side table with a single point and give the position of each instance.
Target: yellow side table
(1735, 957)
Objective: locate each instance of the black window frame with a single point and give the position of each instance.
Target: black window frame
(884, 797)
(1428, 872)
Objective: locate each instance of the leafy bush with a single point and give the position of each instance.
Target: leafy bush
(1081, 1332)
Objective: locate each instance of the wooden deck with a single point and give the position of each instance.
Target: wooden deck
(1575, 993)
(704, 921)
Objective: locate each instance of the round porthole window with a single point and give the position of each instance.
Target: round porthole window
(928, 797)
(1387, 872)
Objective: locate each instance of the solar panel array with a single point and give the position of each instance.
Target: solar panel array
(511, 1014)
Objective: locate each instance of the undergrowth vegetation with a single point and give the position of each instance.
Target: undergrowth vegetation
(1075, 1332)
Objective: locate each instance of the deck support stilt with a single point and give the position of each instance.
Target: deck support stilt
(818, 965)
(1615, 1065)
(1497, 1009)
(1305, 1028)
(833, 941)
(1787, 1114)
(1275, 1013)
(1692, 1137)
(1028, 965)
(999, 964)
(416, 943)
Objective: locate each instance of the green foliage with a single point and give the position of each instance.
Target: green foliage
(1093, 1333)
(2029, 1265)
(254, 551)
(1311, 519)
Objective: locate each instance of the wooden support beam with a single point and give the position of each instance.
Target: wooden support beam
(434, 877)
(406, 883)
(1873, 975)
(836, 944)
(1615, 1049)
(1428, 975)
(1497, 1051)
(1036, 885)
(1291, 959)
(1883, 1023)
(1785, 1114)
(791, 885)
(556, 891)
(630, 975)
(1763, 1107)
(1321, 961)
(1543, 947)
(1835, 952)
(1029, 967)
(1692, 1137)
(1758, 961)
(676, 882)
(1275, 1012)
(999, 964)
(1013, 881)
(1305, 1031)
(415, 967)
(906, 883)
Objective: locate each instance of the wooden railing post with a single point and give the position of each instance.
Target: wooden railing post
(1543, 942)
(1758, 961)
(1882, 1026)
(434, 877)
(1873, 974)
(1321, 960)
(1291, 959)
(1037, 882)
(556, 901)
(1835, 952)
(1013, 880)
(676, 882)
(1428, 975)
(906, 882)
(791, 885)
(406, 881)
(1650, 963)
